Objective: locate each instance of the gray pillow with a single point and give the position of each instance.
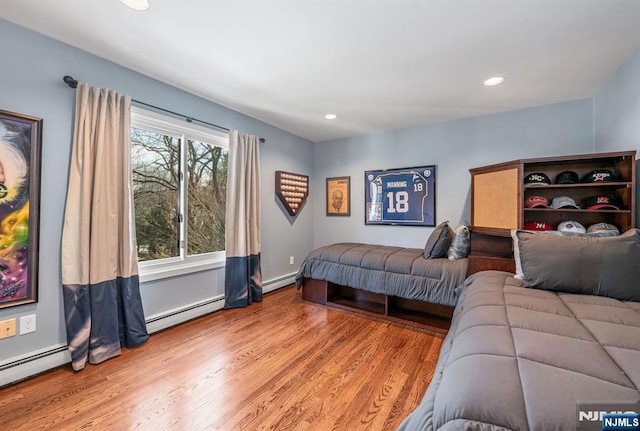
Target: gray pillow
(516, 247)
(606, 266)
(439, 241)
(461, 243)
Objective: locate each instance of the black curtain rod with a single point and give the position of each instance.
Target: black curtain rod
(74, 84)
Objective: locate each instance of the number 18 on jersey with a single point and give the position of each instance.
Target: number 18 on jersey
(401, 196)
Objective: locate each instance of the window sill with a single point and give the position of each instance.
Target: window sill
(155, 271)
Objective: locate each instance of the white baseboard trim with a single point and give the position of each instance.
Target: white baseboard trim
(278, 282)
(25, 366)
(182, 314)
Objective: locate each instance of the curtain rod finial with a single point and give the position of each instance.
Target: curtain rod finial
(70, 81)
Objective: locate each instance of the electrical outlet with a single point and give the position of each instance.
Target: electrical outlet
(27, 324)
(292, 260)
(8, 328)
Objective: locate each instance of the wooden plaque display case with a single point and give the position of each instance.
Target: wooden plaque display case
(498, 196)
(292, 190)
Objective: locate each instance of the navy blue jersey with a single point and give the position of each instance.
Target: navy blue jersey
(399, 197)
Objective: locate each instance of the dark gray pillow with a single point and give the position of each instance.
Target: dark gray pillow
(439, 241)
(607, 266)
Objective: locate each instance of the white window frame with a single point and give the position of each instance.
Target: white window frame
(170, 267)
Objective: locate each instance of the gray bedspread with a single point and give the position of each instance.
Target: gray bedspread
(522, 359)
(396, 271)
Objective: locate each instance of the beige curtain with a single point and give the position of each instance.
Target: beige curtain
(102, 302)
(243, 275)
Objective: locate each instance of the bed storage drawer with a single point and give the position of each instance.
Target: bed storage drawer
(434, 318)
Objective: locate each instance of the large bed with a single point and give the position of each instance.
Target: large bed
(548, 350)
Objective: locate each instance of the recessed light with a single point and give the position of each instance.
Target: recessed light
(137, 4)
(330, 117)
(494, 80)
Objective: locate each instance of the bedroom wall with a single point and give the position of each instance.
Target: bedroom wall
(31, 83)
(616, 114)
(455, 147)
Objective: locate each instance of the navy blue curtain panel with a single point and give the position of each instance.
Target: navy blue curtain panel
(132, 326)
(101, 288)
(243, 276)
(97, 336)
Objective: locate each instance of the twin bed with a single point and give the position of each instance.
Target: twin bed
(396, 271)
(551, 349)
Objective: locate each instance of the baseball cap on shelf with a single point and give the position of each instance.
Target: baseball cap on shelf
(571, 226)
(567, 177)
(537, 225)
(537, 179)
(606, 228)
(600, 176)
(563, 202)
(601, 203)
(536, 202)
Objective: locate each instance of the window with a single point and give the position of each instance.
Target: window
(179, 188)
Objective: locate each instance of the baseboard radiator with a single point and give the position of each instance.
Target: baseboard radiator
(34, 363)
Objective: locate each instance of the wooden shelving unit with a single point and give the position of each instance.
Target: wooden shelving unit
(498, 192)
(498, 195)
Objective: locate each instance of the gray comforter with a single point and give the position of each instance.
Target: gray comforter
(396, 271)
(522, 359)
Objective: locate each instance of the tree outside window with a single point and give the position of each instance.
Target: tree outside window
(179, 182)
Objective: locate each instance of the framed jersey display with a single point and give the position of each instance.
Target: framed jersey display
(403, 197)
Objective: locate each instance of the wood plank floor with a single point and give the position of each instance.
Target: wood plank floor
(283, 364)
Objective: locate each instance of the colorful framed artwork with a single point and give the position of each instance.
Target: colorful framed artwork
(402, 197)
(20, 146)
(339, 196)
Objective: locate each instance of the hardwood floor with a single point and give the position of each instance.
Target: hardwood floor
(283, 364)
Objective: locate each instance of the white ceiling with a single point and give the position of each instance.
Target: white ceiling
(377, 64)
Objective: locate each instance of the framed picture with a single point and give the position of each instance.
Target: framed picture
(339, 196)
(20, 145)
(403, 197)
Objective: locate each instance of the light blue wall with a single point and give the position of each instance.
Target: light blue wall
(31, 74)
(455, 147)
(616, 109)
(616, 114)
(30, 83)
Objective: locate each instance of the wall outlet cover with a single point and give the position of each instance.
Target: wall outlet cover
(27, 324)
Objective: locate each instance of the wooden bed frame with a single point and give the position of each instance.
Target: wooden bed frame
(434, 318)
(487, 252)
